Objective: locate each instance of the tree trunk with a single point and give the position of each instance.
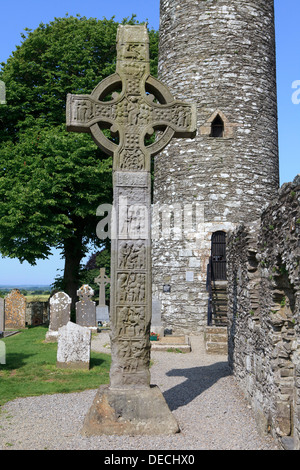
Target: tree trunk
(73, 255)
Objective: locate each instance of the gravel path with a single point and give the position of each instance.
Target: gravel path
(210, 409)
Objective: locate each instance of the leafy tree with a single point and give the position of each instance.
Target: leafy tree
(52, 181)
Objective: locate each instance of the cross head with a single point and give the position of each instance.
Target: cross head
(139, 105)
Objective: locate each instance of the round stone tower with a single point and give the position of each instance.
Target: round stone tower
(219, 54)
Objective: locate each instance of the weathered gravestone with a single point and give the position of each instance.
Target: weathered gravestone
(2, 321)
(102, 314)
(130, 404)
(60, 313)
(86, 307)
(156, 323)
(73, 347)
(15, 310)
(2, 352)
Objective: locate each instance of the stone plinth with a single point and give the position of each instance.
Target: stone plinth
(134, 412)
(102, 314)
(172, 343)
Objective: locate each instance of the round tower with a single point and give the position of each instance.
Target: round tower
(219, 54)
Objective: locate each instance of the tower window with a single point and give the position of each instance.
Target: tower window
(217, 127)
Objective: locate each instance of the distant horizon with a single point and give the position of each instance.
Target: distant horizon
(5, 286)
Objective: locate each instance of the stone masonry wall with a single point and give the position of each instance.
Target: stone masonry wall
(264, 307)
(219, 54)
(37, 313)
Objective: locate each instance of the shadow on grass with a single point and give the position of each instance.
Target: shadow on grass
(14, 361)
(99, 361)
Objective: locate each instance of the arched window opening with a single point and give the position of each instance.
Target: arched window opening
(217, 127)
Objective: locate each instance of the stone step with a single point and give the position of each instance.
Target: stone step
(222, 298)
(219, 306)
(172, 343)
(220, 302)
(217, 348)
(219, 291)
(217, 315)
(184, 348)
(216, 340)
(216, 330)
(170, 339)
(220, 310)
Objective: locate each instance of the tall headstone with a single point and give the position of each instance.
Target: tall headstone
(2, 352)
(73, 347)
(15, 310)
(102, 314)
(86, 307)
(2, 319)
(60, 313)
(129, 404)
(156, 323)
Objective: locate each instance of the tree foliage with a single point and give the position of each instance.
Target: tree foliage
(52, 181)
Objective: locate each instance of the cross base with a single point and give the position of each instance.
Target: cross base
(129, 412)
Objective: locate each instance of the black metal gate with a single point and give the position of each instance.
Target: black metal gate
(218, 256)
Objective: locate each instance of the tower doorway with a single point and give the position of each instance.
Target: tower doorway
(217, 281)
(218, 256)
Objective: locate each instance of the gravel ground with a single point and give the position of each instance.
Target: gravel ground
(210, 409)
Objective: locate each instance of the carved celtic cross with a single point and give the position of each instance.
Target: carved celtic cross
(132, 105)
(134, 112)
(102, 280)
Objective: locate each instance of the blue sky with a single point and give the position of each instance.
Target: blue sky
(17, 15)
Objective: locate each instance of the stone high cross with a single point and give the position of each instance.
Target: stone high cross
(102, 280)
(132, 104)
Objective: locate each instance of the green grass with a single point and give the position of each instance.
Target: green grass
(31, 370)
(37, 298)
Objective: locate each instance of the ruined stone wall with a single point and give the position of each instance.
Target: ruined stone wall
(37, 313)
(220, 55)
(264, 306)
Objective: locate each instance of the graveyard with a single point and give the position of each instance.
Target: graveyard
(31, 368)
